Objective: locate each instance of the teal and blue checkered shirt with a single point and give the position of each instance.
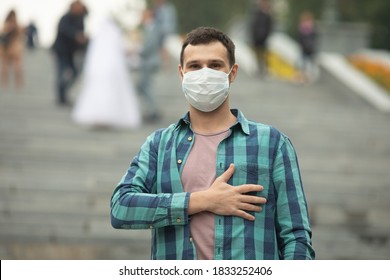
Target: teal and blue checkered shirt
(151, 195)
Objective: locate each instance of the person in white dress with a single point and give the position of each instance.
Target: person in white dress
(107, 97)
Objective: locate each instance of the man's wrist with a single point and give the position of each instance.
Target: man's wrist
(198, 202)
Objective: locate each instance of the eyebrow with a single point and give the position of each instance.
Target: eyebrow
(208, 61)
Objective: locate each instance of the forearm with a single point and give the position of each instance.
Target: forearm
(297, 245)
(291, 207)
(132, 210)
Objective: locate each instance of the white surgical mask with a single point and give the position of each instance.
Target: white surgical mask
(206, 89)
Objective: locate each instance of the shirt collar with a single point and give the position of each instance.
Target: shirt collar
(242, 122)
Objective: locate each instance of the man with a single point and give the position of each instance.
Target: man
(32, 35)
(70, 38)
(260, 29)
(150, 64)
(166, 19)
(307, 39)
(215, 185)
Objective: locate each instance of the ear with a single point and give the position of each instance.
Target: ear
(180, 69)
(233, 73)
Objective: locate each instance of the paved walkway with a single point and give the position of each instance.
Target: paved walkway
(56, 178)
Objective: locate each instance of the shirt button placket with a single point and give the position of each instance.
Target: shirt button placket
(218, 239)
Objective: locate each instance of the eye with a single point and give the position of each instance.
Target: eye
(193, 67)
(215, 65)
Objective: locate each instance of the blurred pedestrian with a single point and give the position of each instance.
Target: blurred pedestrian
(166, 19)
(307, 39)
(108, 97)
(260, 28)
(11, 50)
(32, 35)
(70, 38)
(150, 64)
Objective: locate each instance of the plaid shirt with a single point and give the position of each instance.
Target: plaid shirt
(151, 195)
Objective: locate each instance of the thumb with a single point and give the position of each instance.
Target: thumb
(228, 173)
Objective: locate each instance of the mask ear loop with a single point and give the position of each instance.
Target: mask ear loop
(228, 74)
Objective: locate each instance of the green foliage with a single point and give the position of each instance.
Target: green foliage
(376, 12)
(373, 12)
(215, 13)
(220, 13)
(296, 7)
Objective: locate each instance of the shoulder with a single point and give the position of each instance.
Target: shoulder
(267, 132)
(262, 127)
(65, 17)
(161, 133)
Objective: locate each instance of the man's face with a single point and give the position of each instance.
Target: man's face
(213, 55)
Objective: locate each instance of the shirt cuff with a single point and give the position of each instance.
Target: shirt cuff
(179, 209)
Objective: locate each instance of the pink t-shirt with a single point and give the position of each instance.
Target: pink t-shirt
(198, 174)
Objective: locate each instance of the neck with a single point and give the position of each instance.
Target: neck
(216, 121)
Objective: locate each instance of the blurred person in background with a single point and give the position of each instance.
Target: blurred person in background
(108, 97)
(32, 35)
(166, 19)
(260, 28)
(11, 50)
(149, 65)
(307, 39)
(215, 185)
(70, 38)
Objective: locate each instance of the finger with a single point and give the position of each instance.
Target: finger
(250, 207)
(253, 199)
(249, 188)
(228, 173)
(245, 215)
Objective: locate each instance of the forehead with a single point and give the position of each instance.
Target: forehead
(205, 52)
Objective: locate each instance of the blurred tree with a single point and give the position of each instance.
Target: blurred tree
(216, 13)
(296, 7)
(220, 13)
(373, 12)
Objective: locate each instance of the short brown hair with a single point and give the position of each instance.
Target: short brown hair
(206, 35)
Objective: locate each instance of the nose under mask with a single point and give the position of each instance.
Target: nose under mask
(206, 89)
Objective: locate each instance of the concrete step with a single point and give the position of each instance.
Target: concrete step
(56, 178)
